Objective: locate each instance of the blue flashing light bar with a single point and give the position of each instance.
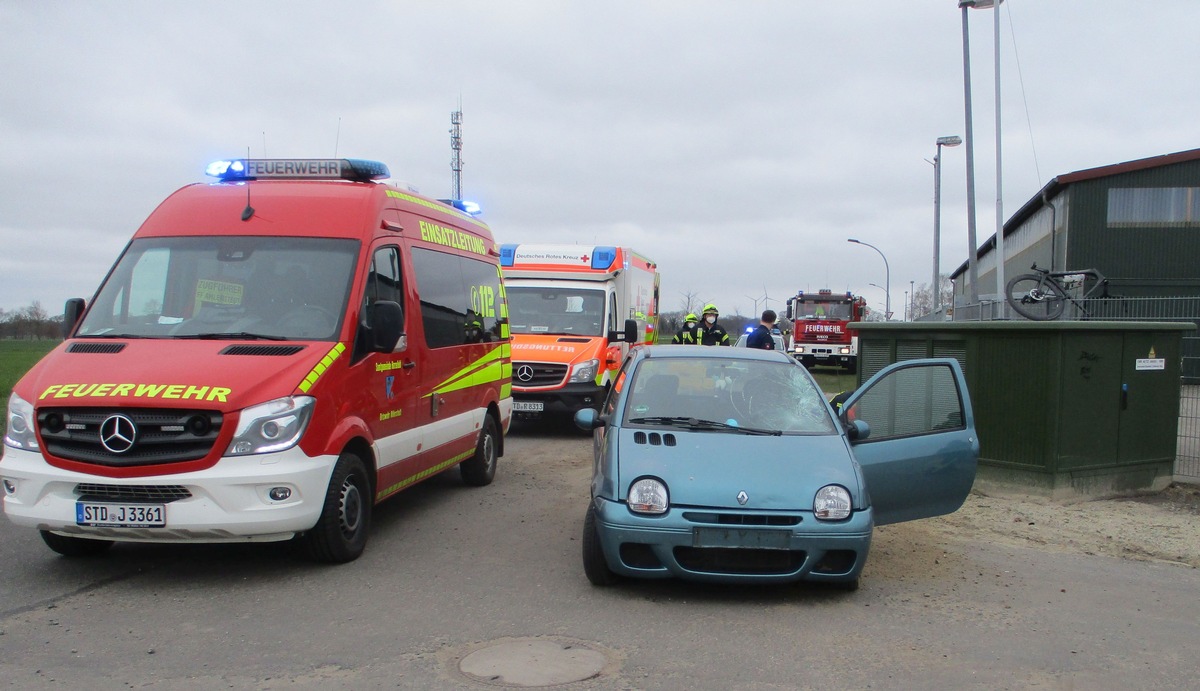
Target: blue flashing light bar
(297, 169)
(508, 254)
(467, 207)
(603, 257)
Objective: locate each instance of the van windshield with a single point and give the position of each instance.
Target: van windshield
(555, 310)
(225, 287)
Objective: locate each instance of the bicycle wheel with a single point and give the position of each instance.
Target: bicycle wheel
(1036, 298)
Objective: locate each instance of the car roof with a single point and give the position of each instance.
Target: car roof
(711, 352)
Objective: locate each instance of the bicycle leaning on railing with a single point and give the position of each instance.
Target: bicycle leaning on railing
(1043, 294)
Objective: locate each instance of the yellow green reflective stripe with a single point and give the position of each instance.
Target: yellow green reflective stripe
(422, 475)
(323, 365)
(485, 370)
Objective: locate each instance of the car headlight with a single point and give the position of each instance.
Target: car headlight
(844, 350)
(585, 371)
(19, 434)
(799, 349)
(272, 426)
(832, 503)
(648, 496)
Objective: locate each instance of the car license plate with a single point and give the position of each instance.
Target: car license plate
(527, 406)
(100, 515)
(741, 537)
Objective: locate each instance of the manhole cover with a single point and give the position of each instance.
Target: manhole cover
(533, 662)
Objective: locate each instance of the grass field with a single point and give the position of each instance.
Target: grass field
(16, 357)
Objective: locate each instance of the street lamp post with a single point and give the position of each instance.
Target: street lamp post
(973, 271)
(937, 218)
(887, 278)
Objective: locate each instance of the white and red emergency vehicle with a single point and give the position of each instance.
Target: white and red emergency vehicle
(823, 330)
(574, 311)
(271, 355)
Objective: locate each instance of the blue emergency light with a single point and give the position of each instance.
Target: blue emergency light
(470, 208)
(355, 169)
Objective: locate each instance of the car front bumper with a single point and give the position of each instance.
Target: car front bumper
(228, 502)
(732, 546)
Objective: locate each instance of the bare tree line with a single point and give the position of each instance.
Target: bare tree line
(31, 323)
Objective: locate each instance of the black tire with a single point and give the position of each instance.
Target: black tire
(480, 469)
(844, 586)
(340, 534)
(1034, 298)
(75, 546)
(595, 566)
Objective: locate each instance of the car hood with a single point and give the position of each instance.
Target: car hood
(710, 469)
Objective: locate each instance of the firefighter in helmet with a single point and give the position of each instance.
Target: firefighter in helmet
(687, 335)
(711, 333)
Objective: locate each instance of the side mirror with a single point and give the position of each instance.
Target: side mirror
(385, 323)
(857, 430)
(588, 419)
(631, 331)
(72, 313)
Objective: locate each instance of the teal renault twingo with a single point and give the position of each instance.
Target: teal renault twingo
(729, 465)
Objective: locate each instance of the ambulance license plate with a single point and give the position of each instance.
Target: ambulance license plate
(105, 515)
(527, 406)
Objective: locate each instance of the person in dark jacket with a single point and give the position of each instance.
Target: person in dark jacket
(710, 332)
(687, 335)
(761, 337)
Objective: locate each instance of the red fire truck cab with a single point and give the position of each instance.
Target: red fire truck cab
(823, 328)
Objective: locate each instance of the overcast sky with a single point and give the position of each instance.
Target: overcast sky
(738, 144)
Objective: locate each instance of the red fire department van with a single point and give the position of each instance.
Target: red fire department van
(271, 355)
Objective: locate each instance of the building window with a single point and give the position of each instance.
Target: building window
(1144, 207)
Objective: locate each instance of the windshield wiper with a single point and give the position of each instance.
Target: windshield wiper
(232, 336)
(698, 424)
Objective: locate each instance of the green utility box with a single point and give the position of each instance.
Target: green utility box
(1064, 409)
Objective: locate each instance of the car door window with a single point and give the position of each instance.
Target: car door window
(913, 401)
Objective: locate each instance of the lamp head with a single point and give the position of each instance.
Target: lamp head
(949, 141)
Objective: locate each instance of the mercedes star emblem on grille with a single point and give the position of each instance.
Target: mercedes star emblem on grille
(525, 373)
(742, 497)
(117, 433)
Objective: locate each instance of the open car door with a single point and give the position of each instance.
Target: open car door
(920, 455)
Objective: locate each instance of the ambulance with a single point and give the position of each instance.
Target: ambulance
(272, 355)
(574, 312)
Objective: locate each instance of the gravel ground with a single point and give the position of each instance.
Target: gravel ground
(1162, 527)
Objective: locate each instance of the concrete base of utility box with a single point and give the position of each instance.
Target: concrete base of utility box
(1080, 485)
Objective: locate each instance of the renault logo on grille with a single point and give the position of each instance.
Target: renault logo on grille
(117, 433)
(525, 373)
(742, 497)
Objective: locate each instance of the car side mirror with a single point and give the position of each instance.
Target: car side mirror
(72, 313)
(588, 419)
(385, 323)
(857, 430)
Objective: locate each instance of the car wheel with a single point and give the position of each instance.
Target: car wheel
(843, 586)
(75, 546)
(340, 534)
(479, 469)
(595, 566)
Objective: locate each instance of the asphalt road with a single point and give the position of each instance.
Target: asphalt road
(453, 572)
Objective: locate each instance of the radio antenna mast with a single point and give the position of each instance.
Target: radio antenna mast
(456, 163)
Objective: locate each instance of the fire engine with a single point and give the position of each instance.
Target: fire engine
(822, 329)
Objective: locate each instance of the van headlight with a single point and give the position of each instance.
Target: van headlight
(648, 495)
(272, 426)
(832, 503)
(585, 371)
(19, 433)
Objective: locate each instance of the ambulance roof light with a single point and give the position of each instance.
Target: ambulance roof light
(356, 169)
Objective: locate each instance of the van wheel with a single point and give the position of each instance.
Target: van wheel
(595, 566)
(480, 469)
(75, 546)
(340, 534)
